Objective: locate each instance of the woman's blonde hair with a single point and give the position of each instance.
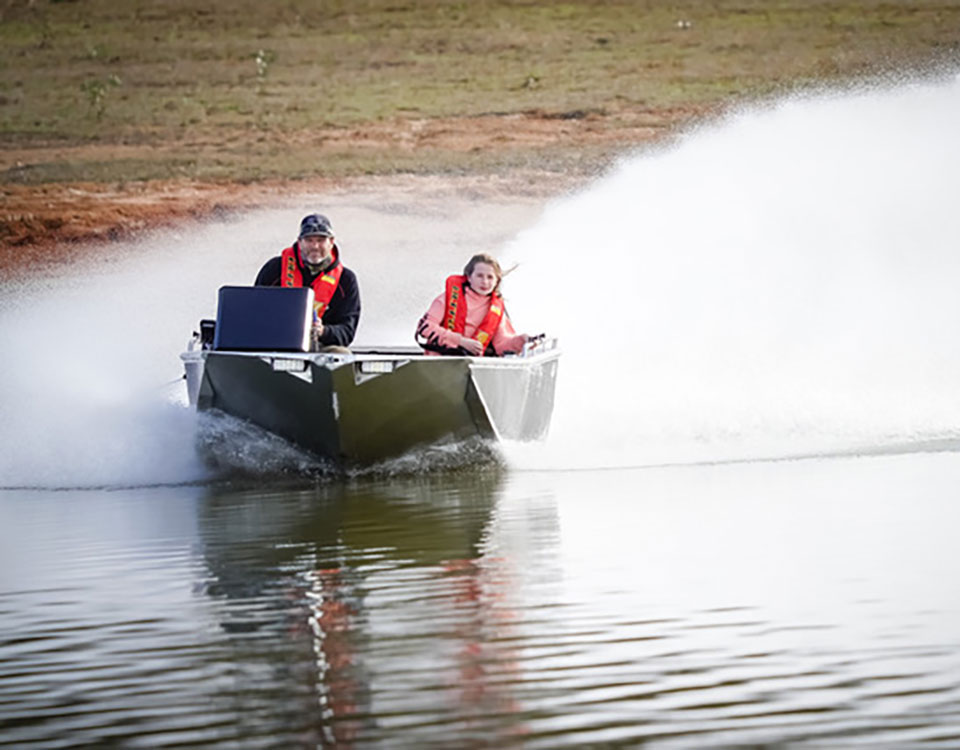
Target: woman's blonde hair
(490, 261)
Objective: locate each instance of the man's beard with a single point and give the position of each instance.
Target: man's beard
(316, 268)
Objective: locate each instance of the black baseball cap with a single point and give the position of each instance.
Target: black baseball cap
(316, 224)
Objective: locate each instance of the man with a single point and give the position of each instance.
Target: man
(314, 260)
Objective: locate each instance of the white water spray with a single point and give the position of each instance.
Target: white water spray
(779, 283)
(784, 281)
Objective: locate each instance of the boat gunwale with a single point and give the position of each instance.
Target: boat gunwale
(387, 354)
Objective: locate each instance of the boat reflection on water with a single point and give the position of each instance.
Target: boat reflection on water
(350, 601)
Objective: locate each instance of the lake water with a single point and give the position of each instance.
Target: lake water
(801, 603)
(740, 532)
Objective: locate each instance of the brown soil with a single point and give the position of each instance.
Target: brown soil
(37, 217)
(34, 217)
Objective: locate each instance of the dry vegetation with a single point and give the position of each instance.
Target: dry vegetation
(116, 113)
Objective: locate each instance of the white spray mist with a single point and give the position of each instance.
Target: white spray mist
(782, 282)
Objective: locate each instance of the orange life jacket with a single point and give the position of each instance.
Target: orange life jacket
(456, 316)
(323, 286)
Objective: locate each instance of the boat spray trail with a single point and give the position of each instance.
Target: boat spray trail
(781, 282)
(93, 391)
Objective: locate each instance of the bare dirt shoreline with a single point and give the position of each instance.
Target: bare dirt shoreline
(33, 218)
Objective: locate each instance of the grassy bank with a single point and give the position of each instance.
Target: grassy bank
(108, 90)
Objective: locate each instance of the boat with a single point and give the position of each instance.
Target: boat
(364, 405)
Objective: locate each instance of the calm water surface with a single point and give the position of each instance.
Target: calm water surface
(796, 604)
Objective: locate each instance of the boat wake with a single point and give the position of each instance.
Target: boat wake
(534, 459)
(782, 283)
(234, 449)
(445, 457)
(231, 451)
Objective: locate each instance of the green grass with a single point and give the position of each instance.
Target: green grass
(176, 72)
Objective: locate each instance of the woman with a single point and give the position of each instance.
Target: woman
(469, 317)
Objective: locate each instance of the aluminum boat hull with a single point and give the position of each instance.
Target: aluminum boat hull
(370, 405)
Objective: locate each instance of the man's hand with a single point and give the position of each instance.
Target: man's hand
(315, 332)
(472, 346)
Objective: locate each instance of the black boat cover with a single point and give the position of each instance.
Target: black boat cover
(263, 318)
